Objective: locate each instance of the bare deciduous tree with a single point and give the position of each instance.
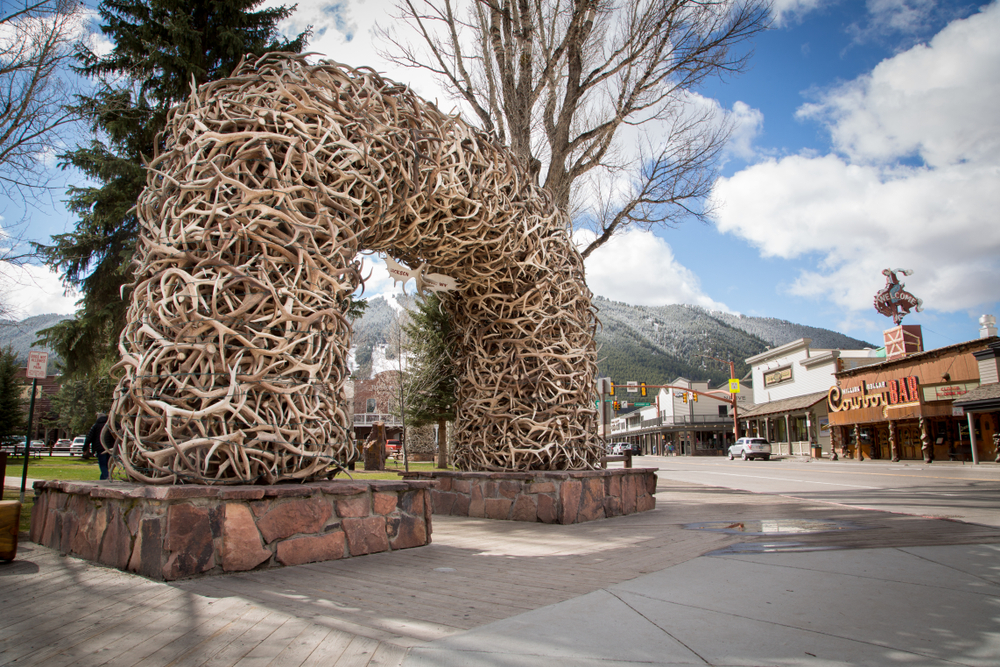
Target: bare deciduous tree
(597, 94)
(36, 43)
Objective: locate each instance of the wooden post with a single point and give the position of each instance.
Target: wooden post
(374, 449)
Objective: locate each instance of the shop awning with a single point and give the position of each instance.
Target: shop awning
(785, 405)
(980, 399)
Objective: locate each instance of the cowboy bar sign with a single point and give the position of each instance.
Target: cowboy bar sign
(875, 394)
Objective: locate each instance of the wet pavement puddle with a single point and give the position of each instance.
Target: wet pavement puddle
(773, 527)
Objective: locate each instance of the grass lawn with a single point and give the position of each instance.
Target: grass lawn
(54, 468)
(45, 467)
(391, 468)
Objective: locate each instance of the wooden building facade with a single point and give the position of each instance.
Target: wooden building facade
(903, 408)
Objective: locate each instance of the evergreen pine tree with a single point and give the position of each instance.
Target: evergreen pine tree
(160, 48)
(432, 379)
(11, 405)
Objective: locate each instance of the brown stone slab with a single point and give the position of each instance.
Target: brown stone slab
(307, 515)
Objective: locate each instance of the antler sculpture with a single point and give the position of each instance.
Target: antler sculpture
(270, 182)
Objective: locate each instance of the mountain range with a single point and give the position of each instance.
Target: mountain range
(652, 344)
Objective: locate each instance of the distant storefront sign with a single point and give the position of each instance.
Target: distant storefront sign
(948, 392)
(780, 375)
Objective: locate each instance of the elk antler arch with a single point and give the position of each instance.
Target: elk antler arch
(269, 184)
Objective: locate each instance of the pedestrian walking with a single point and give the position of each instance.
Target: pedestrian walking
(101, 442)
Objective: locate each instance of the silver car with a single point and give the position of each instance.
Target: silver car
(750, 448)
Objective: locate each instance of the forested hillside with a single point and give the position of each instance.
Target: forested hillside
(648, 344)
(656, 345)
(778, 332)
(375, 328)
(21, 336)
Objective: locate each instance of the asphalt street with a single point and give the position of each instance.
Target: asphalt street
(943, 489)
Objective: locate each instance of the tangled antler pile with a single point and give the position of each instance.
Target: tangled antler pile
(270, 183)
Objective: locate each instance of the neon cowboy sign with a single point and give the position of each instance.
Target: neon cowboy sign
(875, 394)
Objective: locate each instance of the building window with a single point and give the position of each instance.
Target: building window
(723, 411)
(370, 406)
(799, 431)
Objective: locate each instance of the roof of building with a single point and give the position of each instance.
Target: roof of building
(957, 348)
(986, 393)
(785, 405)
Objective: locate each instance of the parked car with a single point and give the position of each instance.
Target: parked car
(62, 445)
(392, 448)
(619, 448)
(77, 446)
(750, 448)
(12, 443)
(635, 447)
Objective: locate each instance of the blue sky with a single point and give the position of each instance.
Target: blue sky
(866, 137)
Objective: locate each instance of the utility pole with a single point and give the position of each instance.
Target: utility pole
(732, 376)
(37, 365)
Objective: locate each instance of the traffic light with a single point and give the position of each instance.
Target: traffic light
(615, 405)
(642, 388)
(685, 398)
(612, 393)
(694, 397)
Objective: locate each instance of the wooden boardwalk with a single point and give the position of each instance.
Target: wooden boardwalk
(60, 611)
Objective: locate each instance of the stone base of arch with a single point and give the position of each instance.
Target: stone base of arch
(178, 532)
(561, 496)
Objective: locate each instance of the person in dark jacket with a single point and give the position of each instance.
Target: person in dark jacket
(101, 443)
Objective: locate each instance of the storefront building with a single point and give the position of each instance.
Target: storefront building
(682, 422)
(904, 408)
(792, 383)
(796, 426)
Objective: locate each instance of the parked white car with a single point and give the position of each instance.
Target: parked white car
(750, 448)
(77, 446)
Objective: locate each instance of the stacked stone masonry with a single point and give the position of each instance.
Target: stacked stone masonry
(548, 497)
(175, 532)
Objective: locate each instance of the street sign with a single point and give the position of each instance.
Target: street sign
(37, 363)
(734, 386)
(642, 404)
(632, 387)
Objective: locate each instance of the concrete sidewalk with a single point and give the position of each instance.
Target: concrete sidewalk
(912, 606)
(670, 586)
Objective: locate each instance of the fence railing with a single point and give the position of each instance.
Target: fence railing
(679, 420)
(368, 418)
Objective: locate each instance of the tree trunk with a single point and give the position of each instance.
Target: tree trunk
(442, 444)
(375, 448)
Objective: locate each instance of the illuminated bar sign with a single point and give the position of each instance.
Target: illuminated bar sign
(875, 394)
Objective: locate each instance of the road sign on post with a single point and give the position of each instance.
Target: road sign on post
(734, 386)
(38, 362)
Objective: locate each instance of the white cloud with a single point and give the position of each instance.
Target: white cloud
(867, 210)
(937, 101)
(33, 290)
(614, 270)
(787, 11)
(747, 124)
(344, 31)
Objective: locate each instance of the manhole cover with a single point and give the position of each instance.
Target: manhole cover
(773, 526)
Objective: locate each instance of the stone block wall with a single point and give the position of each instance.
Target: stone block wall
(175, 532)
(548, 497)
